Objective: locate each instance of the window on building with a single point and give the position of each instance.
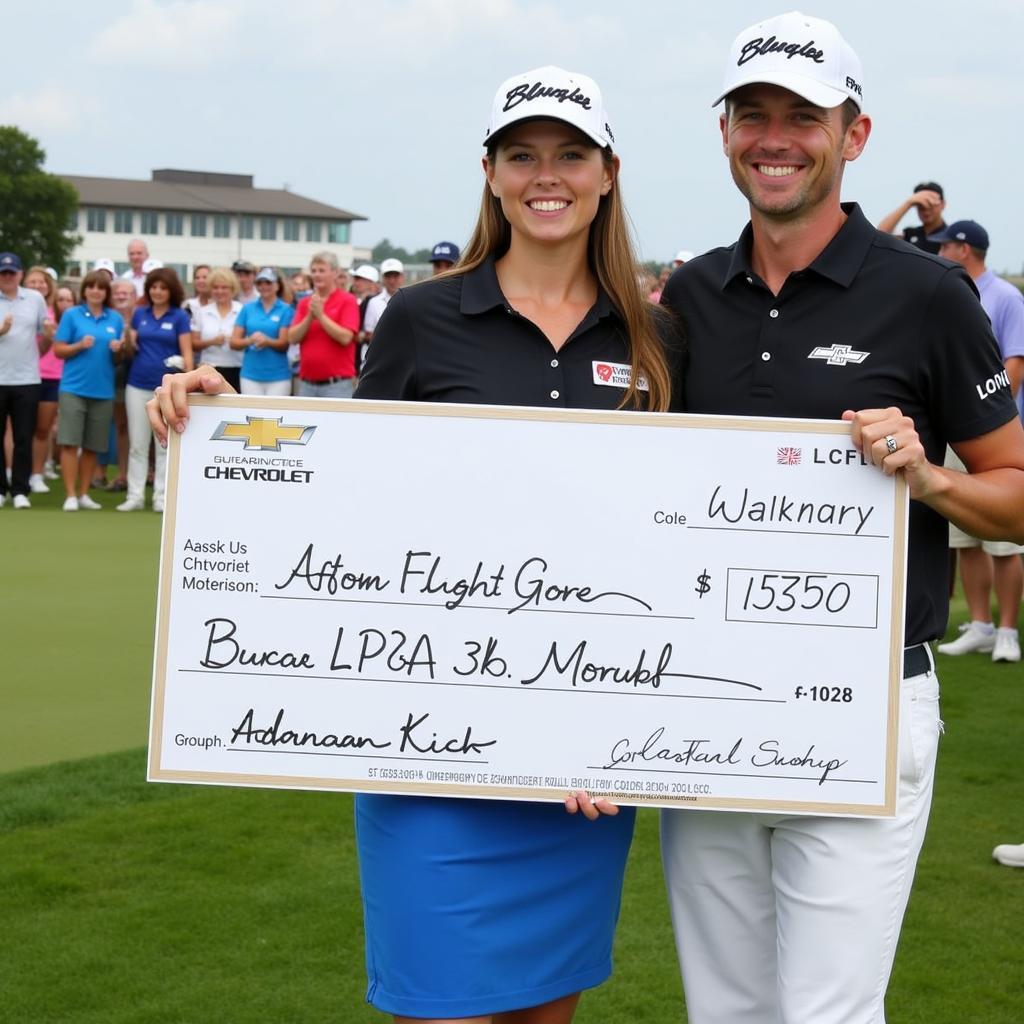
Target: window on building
(268, 228)
(313, 230)
(122, 267)
(221, 226)
(124, 222)
(245, 227)
(95, 219)
(149, 222)
(181, 269)
(337, 232)
(291, 229)
(198, 225)
(175, 223)
(72, 222)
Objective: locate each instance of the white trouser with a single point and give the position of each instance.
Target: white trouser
(275, 388)
(781, 919)
(139, 435)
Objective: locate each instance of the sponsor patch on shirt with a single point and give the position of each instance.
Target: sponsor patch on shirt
(167, 327)
(616, 375)
(110, 330)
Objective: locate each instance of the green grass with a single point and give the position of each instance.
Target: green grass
(156, 904)
(77, 607)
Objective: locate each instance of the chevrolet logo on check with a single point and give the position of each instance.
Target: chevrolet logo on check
(262, 434)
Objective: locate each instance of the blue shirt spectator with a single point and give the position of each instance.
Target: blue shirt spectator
(265, 364)
(156, 340)
(90, 373)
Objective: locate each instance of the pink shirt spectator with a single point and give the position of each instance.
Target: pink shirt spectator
(50, 367)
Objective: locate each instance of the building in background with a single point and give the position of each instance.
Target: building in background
(190, 217)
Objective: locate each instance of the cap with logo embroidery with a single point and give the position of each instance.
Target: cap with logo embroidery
(367, 273)
(9, 262)
(444, 252)
(392, 266)
(555, 93)
(794, 51)
(103, 263)
(968, 231)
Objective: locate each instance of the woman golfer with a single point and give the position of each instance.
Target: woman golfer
(490, 911)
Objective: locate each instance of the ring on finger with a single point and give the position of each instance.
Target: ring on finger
(891, 443)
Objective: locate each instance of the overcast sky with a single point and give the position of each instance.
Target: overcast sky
(379, 107)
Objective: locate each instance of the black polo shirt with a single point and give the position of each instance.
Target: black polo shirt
(457, 339)
(872, 322)
(918, 236)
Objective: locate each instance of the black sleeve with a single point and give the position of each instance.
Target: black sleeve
(964, 373)
(389, 371)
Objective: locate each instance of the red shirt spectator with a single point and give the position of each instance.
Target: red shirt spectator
(321, 357)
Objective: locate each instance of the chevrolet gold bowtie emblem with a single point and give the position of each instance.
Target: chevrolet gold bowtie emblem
(260, 434)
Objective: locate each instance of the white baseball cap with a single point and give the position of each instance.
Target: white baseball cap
(683, 256)
(367, 272)
(552, 93)
(151, 264)
(806, 55)
(392, 266)
(105, 264)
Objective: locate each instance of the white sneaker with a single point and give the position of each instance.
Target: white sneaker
(49, 473)
(131, 505)
(1010, 854)
(70, 504)
(158, 506)
(3, 500)
(977, 637)
(21, 501)
(37, 485)
(84, 501)
(1007, 646)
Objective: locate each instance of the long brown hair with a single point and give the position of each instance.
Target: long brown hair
(611, 256)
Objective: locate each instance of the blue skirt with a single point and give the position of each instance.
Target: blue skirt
(475, 907)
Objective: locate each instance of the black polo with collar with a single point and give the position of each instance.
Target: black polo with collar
(871, 323)
(457, 339)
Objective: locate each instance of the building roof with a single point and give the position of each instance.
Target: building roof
(201, 192)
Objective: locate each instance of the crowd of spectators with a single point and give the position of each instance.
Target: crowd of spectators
(78, 365)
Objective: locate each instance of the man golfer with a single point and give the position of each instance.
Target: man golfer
(779, 918)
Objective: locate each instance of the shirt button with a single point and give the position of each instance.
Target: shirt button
(765, 356)
(774, 313)
(554, 362)
(554, 394)
(750, 280)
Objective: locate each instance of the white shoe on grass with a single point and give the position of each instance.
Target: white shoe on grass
(37, 485)
(49, 473)
(1007, 646)
(3, 500)
(70, 504)
(84, 501)
(21, 501)
(131, 505)
(1010, 854)
(974, 637)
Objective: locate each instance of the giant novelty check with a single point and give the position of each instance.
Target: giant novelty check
(513, 603)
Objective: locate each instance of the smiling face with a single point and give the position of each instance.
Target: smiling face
(138, 253)
(37, 280)
(66, 299)
(159, 294)
(786, 154)
(122, 296)
(549, 179)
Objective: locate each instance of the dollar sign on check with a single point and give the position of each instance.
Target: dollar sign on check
(703, 583)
